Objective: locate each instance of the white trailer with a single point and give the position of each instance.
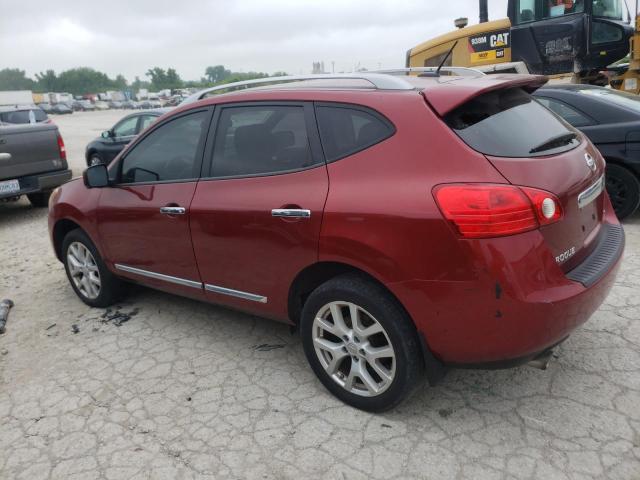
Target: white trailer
(16, 97)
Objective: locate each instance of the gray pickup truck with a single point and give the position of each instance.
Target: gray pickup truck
(33, 162)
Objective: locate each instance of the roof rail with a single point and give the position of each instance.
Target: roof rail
(378, 81)
(461, 71)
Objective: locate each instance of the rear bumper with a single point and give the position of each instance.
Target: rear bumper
(519, 304)
(40, 182)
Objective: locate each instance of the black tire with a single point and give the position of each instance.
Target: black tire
(40, 199)
(397, 325)
(111, 287)
(624, 190)
(94, 159)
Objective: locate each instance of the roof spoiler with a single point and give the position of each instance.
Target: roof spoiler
(446, 96)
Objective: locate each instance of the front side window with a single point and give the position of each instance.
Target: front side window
(260, 140)
(536, 10)
(126, 127)
(345, 130)
(166, 154)
(569, 114)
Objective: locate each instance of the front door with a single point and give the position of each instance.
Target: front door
(121, 134)
(143, 221)
(256, 220)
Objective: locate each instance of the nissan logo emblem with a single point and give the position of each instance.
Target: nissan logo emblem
(591, 163)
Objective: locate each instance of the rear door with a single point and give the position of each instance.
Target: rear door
(255, 219)
(143, 220)
(532, 147)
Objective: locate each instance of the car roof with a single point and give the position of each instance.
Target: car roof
(444, 93)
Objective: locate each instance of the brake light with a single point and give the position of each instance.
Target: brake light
(61, 148)
(488, 210)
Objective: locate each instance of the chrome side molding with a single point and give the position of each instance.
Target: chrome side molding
(190, 283)
(159, 276)
(291, 213)
(235, 293)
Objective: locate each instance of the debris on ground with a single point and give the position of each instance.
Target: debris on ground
(5, 306)
(118, 317)
(74, 328)
(265, 347)
(51, 326)
(4, 351)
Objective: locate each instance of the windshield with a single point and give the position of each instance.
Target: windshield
(509, 123)
(612, 9)
(623, 99)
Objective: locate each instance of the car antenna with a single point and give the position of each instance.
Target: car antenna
(444, 60)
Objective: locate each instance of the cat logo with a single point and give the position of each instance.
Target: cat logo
(499, 40)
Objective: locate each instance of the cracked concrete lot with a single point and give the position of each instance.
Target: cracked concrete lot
(184, 390)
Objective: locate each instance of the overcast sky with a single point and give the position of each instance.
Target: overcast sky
(129, 36)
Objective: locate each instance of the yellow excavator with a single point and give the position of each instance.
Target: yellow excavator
(578, 39)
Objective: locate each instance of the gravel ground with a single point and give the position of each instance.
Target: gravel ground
(187, 390)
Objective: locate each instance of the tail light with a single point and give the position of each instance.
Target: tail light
(487, 210)
(61, 148)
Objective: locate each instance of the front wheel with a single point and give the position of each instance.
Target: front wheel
(360, 343)
(624, 190)
(95, 159)
(88, 275)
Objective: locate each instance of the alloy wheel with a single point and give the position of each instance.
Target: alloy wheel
(354, 349)
(83, 270)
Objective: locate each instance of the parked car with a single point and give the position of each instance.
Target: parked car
(61, 109)
(115, 104)
(611, 120)
(45, 107)
(33, 161)
(145, 105)
(22, 115)
(130, 104)
(83, 106)
(109, 144)
(100, 105)
(401, 228)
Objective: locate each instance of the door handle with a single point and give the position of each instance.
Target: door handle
(291, 213)
(173, 210)
(5, 156)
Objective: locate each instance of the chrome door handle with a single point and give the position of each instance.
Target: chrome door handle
(5, 156)
(290, 213)
(173, 210)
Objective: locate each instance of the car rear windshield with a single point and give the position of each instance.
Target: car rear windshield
(23, 116)
(510, 123)
(624, 99)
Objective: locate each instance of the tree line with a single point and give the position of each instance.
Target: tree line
(83, 80)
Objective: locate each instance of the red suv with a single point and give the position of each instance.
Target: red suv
(403, 224)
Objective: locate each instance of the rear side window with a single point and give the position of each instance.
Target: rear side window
(510, 123)
(346, 130)
(261, 140)
(570, 114)
(166, 154)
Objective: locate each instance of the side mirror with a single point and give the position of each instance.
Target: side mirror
(96, 176)
(107, 134)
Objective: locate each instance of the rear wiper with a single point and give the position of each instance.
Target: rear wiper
(554, 142)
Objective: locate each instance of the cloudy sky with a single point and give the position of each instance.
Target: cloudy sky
(129, 36)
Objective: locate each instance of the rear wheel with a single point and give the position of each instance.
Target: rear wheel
(624, 190)
(88, 275)
(360, 343)
(40, 199)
